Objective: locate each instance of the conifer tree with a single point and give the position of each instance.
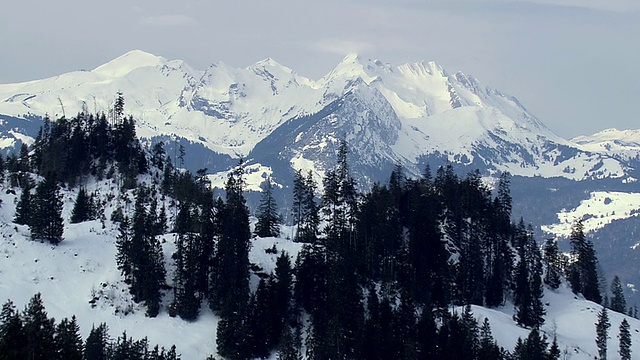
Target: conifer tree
(68, 341)
(46, 222)
(24, 207)
(97, 344)
(305, 208)
(39, 330)
(13, 338)
(553, 264)
(618, 302)
(624, 337)
(602, 333)
(82, 208)
(268, 224)
(583, 273)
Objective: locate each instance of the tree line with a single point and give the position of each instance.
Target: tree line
(32, 334)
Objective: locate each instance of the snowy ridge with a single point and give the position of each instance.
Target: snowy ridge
(623, 143)
(230, 111)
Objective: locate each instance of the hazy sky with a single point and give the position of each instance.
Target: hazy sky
(572, 63)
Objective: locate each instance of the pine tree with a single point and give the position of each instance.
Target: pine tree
(553, 264)
(618, 302)
(97, 344)
(602, 333)
(82, 208)
(305, 208)
(24, 207)
(39, 330)
(13, 338)
(46, 222)
(583, 273)
(624, 337)
(268, 224)
(68, 341)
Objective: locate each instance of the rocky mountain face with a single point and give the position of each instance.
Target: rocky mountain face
(267, 113)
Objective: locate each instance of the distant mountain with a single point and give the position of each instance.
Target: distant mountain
(409, 115)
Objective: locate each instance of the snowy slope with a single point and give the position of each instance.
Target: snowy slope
(83, 267)
(389, 114)
(599, 210)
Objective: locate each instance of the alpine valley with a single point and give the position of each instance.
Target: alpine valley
(415, 116)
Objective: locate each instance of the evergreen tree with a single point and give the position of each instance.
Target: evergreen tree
(268, 224)
(97, 344)
(553, 264)
(46, 222)
(187, 297)
(624, 337)
(305, 208)
(583, 273)
(602, 333)
(618, 302)
(82, 208)
(39, 330)
(68, 341)
(13, 338)
(24, 207)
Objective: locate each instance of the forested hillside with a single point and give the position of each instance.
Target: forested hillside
(390, 273)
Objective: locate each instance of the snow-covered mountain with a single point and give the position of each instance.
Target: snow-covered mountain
(389, 114)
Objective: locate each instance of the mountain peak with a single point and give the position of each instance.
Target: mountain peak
(271, 63)
(128, 62)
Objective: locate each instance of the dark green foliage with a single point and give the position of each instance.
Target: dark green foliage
(602, 333)
(68, 341)
(528, 282)
(583, 273)
(24, 207)
(553, 262)
(83, 209)
(97, 345)
(618, 302)
(13, 338)
(267, 213)
(533, 348)
(39, 330)
(46, 217)
(139, 255)
(624, 337)
(305, 208)
(187, 295)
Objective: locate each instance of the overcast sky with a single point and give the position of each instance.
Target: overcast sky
(572, 63)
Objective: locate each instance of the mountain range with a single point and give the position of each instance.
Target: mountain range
(411, 115)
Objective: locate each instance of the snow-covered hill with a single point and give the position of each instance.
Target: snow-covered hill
(389, 114)
(622, 143)
(82, 268)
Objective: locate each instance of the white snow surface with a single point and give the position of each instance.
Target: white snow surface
(599, 210)
(83, 266)
(624, 143)
(230, 110)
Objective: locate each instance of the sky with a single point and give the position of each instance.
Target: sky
(572, 63)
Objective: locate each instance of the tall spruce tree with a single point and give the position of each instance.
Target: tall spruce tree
(13, 338)
(617, 302)
(68, 342)
(82, 207)
(583, 272)
(624, 337)
(46, 222)
(305, 208)
(602, 333)
(268, 224)
(553, 262)
(97, 344)
(39, 330)
(24, 207)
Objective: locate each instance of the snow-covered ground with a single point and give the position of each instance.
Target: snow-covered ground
(599, 210)
(82, 268)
